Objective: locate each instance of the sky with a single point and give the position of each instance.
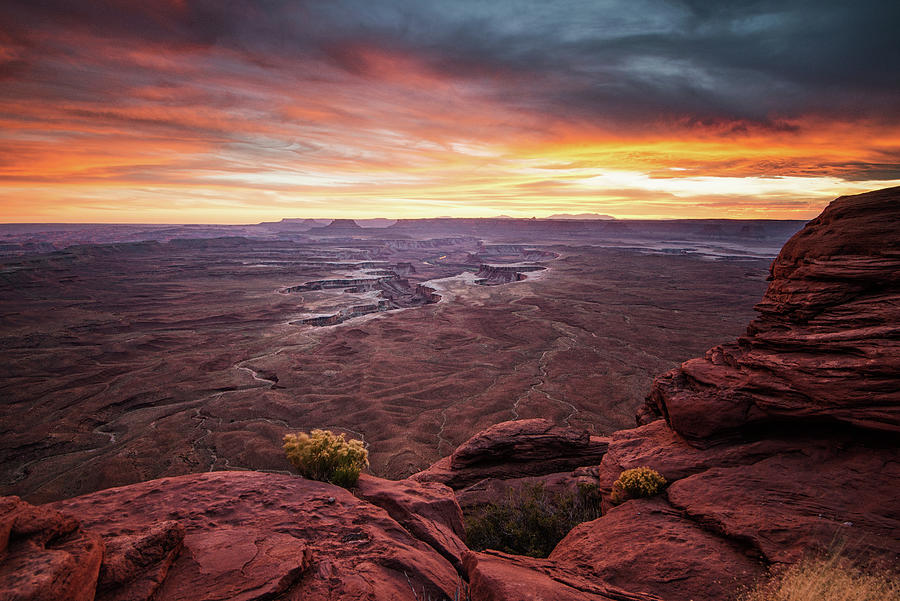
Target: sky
(184, 111)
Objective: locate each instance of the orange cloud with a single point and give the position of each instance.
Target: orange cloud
(190, 133)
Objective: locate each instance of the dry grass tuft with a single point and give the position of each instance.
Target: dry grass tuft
(833, 578)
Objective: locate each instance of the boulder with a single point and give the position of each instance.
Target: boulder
(136, 564)
(46, 555)
(646, 546)
(515, 449)
(495, 576)
(428, 510)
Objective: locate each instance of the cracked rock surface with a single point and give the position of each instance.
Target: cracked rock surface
(252, 536)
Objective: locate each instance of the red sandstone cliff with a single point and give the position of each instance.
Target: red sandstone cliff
(775, 445)
(825, 346)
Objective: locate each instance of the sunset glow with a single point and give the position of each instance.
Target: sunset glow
(191, 112)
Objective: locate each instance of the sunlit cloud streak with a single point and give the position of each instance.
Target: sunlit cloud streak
(188, 111)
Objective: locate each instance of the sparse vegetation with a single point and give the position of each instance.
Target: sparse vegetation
(460, 594)
(531, 520)
(325, 456)
(833, 578)
(636, 483)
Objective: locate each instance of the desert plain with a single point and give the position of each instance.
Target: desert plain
(130, 360)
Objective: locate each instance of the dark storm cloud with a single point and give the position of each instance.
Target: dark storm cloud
(755, 61)
(742, 61)
(701, 63)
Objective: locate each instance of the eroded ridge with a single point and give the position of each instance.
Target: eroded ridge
(385, 286)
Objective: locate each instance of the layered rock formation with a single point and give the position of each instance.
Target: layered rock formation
(45, 555)
(493, 275)
(825, 347)
(776, 446)
(240, 536)
(780, 444)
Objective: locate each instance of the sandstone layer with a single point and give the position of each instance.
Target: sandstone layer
(826, 346)
(253, 536)
(516, 449)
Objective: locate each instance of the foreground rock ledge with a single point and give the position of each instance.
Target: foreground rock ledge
(46, 555)
(250, 535)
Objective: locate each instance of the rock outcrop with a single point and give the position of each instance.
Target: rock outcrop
(45, 555)
(826, 346)
(498, 576)
(253, 536)
(136, 564)
(428, 510)
(646, 545)
(516, 449)
(777, 498)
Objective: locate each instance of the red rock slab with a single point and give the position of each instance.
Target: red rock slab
(657, 446)
(523, 440)
(46, 556)
(495, 576)
(645, 545)
(429, 511)
(251, 535)
(515, 449)
(802, 502)
(135, 565)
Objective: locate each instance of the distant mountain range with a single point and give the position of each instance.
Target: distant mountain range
(300, 223)
(581, 216)
(571, 216)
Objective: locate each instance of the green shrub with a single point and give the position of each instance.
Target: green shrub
(636, 483)
(530, 520)
(323, 455)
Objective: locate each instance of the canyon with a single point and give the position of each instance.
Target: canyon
(126, 360)
(776, 445)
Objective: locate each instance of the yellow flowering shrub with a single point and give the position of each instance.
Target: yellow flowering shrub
(635, 483)
(325, 456)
